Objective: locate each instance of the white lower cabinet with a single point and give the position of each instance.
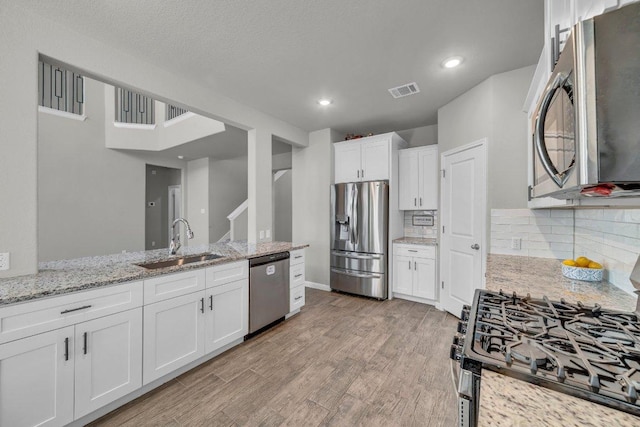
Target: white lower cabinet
(227, 319)
(108, 360)
(36, 380)
(414, 271)
(173, 334)
(296, 280)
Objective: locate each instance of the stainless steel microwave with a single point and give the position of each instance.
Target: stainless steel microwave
(586, 127)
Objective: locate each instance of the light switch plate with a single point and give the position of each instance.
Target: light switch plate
(268, 233)
(261, 234)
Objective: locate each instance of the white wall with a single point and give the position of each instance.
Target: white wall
(282, 208)
(24, 35)
(312, 177)
(197, 202)
(227, 190)
(417, 137)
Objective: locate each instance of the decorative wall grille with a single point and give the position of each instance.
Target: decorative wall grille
(173, 112)
(132, 107)
(60, 89)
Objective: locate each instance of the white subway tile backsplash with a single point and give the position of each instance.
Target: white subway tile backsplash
(608, 236)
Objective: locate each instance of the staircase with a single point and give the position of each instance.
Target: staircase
(239, 218)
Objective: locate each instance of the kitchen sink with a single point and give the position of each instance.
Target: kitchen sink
(179, 261)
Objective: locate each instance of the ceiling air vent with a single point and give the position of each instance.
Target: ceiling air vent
(404, 90)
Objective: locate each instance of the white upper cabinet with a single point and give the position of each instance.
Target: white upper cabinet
(365, 159)
(418, 183)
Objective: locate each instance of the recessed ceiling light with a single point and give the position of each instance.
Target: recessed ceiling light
(325, 102)
(452, 62)
(181, 157)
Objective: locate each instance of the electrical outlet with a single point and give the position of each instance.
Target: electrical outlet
(153, 243)
(516, 243)
(261, 234)
(5, 261)
(268, 233)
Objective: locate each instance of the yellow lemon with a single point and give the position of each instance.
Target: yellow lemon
(594, 264)
(569, 262)
(582, 261)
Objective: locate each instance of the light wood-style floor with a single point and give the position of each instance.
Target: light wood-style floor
(343, 361)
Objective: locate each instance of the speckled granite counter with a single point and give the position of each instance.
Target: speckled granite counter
(417, 241)
(506, 401)
(543, 277)
(61, 277)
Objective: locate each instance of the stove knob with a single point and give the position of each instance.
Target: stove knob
(462, 327)
(458, 340)
(455, 353)
(464, 315)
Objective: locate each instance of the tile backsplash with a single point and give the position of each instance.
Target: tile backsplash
(608, 236)
(411, 230)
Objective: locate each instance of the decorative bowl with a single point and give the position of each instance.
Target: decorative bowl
(581, 273)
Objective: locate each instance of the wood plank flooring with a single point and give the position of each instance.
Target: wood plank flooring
(343, 361)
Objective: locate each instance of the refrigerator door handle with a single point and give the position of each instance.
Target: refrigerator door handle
(354, 255)
(355, 274)
(354, 215)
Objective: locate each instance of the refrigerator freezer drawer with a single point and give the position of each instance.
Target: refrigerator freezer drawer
(375, 263)
(359, 282)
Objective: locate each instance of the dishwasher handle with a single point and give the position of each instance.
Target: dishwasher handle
(268, 259)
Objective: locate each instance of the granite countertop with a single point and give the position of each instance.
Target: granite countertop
(505, 401)
(543, 277)
(417, 241)
(61, 277)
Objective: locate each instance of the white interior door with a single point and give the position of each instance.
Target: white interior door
(463, 235)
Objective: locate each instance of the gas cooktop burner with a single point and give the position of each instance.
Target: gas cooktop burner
(587, 351)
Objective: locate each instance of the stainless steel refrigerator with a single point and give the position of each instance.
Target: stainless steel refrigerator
(359, 238)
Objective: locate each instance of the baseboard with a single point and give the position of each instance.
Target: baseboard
(315, 285)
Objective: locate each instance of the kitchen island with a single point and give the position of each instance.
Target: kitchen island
(67, 276)
(505, 401)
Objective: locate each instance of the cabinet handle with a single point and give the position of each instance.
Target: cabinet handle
(84, 347)
(297, 257)
(297, 298)
(75, 309)
(298, 275)
(358, 173)
(409, 265)
(415, 265)
(362, 173)
(415, 202)
(66, 348)
(202, 305)
(420, 201)
(211, 302)
(412, 250)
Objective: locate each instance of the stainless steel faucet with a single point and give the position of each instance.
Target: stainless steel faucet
(175, 238)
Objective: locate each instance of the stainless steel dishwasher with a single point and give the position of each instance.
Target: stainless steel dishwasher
(268, 290)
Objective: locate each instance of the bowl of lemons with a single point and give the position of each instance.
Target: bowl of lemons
(582, 268)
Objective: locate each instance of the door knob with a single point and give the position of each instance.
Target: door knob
(475, 246)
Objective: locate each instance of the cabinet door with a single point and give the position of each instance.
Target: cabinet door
(402, 274)
(347, 162)
(428, 179)
(36, 380)
(173, 334)
(424, 285)
(375, 161)
(108, 360)
(408, 180)
(227, 314)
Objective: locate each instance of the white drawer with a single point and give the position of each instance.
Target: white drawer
(30, 318)
(417, 251)
(172, 285)
(296, 298)
(296, 275)
(227, 273)
(297, 257)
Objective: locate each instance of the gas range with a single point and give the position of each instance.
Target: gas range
(585, 351)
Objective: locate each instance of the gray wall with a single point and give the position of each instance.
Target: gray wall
(197, 202)
(227, 190)
(90, 199)
(282, 208)
(24, 35)
(158, 180)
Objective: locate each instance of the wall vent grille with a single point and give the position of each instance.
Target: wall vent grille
(404, 90)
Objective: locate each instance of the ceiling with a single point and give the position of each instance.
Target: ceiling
(281, 56)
